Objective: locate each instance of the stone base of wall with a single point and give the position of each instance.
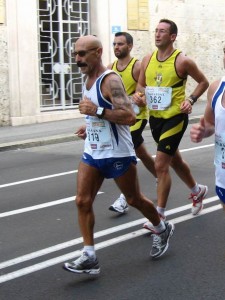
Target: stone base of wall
(45, 117)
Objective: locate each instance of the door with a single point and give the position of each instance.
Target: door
(60, 22)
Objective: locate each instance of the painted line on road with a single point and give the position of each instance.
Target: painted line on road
(75, 171)
(197, 148)
(37, 178)
(39, 206)
(101, 245)
(99, 234)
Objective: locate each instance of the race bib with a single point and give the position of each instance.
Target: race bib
(98, 134)
(219, 159)
(158, 98)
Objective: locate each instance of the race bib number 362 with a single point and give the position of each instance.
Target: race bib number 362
(158, 98)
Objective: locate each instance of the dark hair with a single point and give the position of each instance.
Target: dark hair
(128, 37)
(173, 26)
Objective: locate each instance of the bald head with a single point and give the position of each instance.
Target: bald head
(88, 54)
(88, 41)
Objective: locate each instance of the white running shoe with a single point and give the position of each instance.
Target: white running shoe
(161, 241)
(197, 199)
(120, 205)
(149, 226)
(84, 264)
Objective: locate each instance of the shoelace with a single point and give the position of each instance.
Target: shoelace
(120, 202)
(196, 197)
(156, 241)
(81, 259)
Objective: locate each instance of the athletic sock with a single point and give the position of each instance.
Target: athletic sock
(160, 228)
(90, 251)
(161, 211)
(195, 189)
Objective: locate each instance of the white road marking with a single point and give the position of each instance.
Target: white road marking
(75, 171)
(79, 240)
(38, 206)
(101, 233)
(98, 246)
(37, 178)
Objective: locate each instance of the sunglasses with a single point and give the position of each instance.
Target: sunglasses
(82, 53)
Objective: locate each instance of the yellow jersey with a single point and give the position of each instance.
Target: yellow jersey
(130, 84)
(163, 74)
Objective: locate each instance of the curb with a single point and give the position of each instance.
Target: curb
(37, 142)
(56, 139)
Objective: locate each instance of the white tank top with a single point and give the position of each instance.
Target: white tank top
(105, 139)
(219, 111)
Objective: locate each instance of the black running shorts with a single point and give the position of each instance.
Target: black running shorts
(168, 133)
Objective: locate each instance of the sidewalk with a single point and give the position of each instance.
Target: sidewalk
(26, 136)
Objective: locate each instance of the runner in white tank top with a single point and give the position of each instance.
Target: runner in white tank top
(108, 153)
(213, 122)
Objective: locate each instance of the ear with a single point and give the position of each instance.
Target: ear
(130, 46)
(99, 52)
(173, 37)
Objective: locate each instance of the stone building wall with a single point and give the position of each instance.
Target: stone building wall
(201, 26)
(201, 31)
(4, 86)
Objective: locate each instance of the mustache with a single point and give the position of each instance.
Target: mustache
(80, 64)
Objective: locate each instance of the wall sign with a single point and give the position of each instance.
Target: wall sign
(2, 11)
(116, 29)
(137, 15)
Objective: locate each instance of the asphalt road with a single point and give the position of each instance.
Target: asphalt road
(39, 232)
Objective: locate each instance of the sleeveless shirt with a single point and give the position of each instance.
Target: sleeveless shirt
(219, 112)
(163, 74)
(114, 140)
(130, 84)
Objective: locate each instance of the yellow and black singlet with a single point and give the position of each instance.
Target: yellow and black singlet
(130, 83)
(163, 74)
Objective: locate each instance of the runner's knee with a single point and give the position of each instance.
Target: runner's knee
(83, 203)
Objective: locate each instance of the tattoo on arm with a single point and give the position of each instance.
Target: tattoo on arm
(118, 94)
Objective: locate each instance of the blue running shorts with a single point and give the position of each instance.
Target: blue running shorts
(220, 193)
(112, 167)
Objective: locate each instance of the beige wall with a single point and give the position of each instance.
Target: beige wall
(201, 35)
(201, 26)
(22, 57)
(4, 88)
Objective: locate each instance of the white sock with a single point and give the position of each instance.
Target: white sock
(160, 228)
(195, 189)
(161, 211)
(90, 250)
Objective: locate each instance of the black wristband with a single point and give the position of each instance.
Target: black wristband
(194, 98)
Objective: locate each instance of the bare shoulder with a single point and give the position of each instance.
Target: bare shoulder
(112, 77)
(110, 66)
(146, 60)
(213, 87)
(136, 69)
(184, 60)
(137, 64)
(185, 66)
(147, 57)
(110, 83)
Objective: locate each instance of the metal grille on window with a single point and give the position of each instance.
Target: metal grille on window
(60, 22)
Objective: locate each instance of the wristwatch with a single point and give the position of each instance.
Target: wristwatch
(100, 112)
(192, 99)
